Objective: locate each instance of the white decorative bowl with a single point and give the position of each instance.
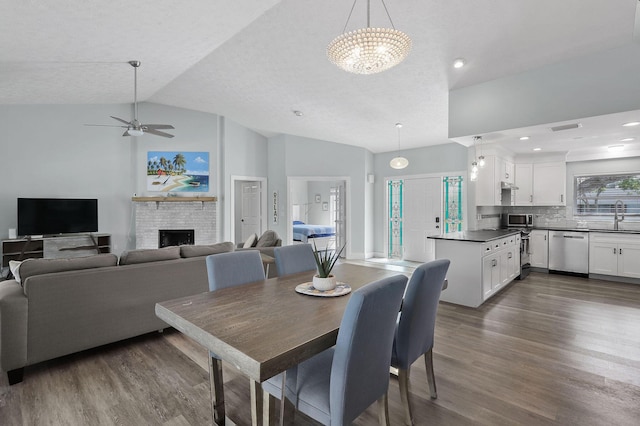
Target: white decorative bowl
(324, 284)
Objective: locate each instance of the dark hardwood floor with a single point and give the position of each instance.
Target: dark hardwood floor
(551, 349)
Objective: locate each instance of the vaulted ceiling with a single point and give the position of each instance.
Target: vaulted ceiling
(257, 61)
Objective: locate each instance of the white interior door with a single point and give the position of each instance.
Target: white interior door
(422, 217)
(250, 217)
(340, 215)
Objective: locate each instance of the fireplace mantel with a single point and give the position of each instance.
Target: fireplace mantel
(173, 199)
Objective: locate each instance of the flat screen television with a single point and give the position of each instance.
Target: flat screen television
(51, 216)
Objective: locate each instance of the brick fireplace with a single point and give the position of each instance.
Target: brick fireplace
(151, 216)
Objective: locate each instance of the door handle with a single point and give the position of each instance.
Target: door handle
(531, 198)
(614, 251)
(620, 251)
(494, 263)
(562, 198)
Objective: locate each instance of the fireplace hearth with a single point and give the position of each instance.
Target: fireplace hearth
(175, 237)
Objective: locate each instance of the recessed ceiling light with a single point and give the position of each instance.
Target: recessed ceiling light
(298, 113)
(631, 124)
(615, 148)
(537, 149)
(627, 139)
(524, 138)
(459, 63)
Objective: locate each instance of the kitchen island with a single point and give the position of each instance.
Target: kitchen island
(482, 263)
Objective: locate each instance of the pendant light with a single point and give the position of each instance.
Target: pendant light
(398, 162)
(481, 161)
(369, 50)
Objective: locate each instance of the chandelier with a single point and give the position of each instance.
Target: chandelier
(398, 162)
(369, 50)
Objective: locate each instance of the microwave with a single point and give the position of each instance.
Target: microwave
(519, 220)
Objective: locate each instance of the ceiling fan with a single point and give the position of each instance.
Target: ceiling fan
(134, 127)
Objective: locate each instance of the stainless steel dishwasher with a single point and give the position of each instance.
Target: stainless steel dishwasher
(569, 252)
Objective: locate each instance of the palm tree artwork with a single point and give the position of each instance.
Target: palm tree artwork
(178, 171)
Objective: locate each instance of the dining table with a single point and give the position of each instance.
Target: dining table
(264, 328)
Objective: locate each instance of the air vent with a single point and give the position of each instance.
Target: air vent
(566, 127)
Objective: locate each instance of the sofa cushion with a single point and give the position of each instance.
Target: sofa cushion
(251, 241)
(149, 255)
(31, 267)
(267, 239)
(195, 251)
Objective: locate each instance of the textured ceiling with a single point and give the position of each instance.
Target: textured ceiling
(255, 61)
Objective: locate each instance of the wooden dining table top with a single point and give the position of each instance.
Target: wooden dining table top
(266, 327)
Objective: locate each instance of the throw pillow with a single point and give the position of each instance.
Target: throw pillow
(149, 255)
(268, 239)
(251, 241)
(14, 267)
(196, 251)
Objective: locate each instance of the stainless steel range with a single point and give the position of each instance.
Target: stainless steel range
(522, 222)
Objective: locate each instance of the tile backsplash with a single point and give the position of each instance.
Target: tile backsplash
(546, 216)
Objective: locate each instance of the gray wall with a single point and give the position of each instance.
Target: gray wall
(54, 155)
(603, 83)
(293, 156)
(244, 153)
(48, 152)
(438, 159)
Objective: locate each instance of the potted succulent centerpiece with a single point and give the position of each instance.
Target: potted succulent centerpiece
(325, 261)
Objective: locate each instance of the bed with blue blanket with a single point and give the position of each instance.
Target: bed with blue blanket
(302, 231)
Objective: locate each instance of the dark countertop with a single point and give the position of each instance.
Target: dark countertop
(481, 236)
(621, 231)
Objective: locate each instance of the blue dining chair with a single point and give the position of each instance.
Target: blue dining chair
(228, 270)
(337, 385)
(294, 258)
(415, 327)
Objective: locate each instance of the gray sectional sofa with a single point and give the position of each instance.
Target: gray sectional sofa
(62, 306)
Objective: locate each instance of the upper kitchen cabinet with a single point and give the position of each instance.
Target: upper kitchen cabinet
(541, 184)
(490, 178)
(524, 183)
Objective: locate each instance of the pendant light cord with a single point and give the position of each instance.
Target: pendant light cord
(368, 15)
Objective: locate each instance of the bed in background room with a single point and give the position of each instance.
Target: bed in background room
(322, 235)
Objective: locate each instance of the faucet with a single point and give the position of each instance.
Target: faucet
(619, 203)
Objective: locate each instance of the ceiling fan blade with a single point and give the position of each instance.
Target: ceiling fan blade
(158, 133)
(157, 126)
(120, 120)
(105, 125)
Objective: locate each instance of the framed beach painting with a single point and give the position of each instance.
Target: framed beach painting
(177, 171)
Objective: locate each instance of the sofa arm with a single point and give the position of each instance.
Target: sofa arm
(13, 326)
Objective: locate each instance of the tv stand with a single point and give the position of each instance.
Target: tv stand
(55, 247)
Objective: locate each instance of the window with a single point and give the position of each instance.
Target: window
(597, 195)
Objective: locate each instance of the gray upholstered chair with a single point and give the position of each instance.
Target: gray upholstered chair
(337, 385)
(295, 258)
(228, 270)
(415, 328)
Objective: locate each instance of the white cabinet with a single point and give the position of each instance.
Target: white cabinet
(478, 270)
(488, 192)
(500, 264)
(549, 184)
(540, 184)
(524, 183)
(614, 254)
(490, 177)
(539, 248)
